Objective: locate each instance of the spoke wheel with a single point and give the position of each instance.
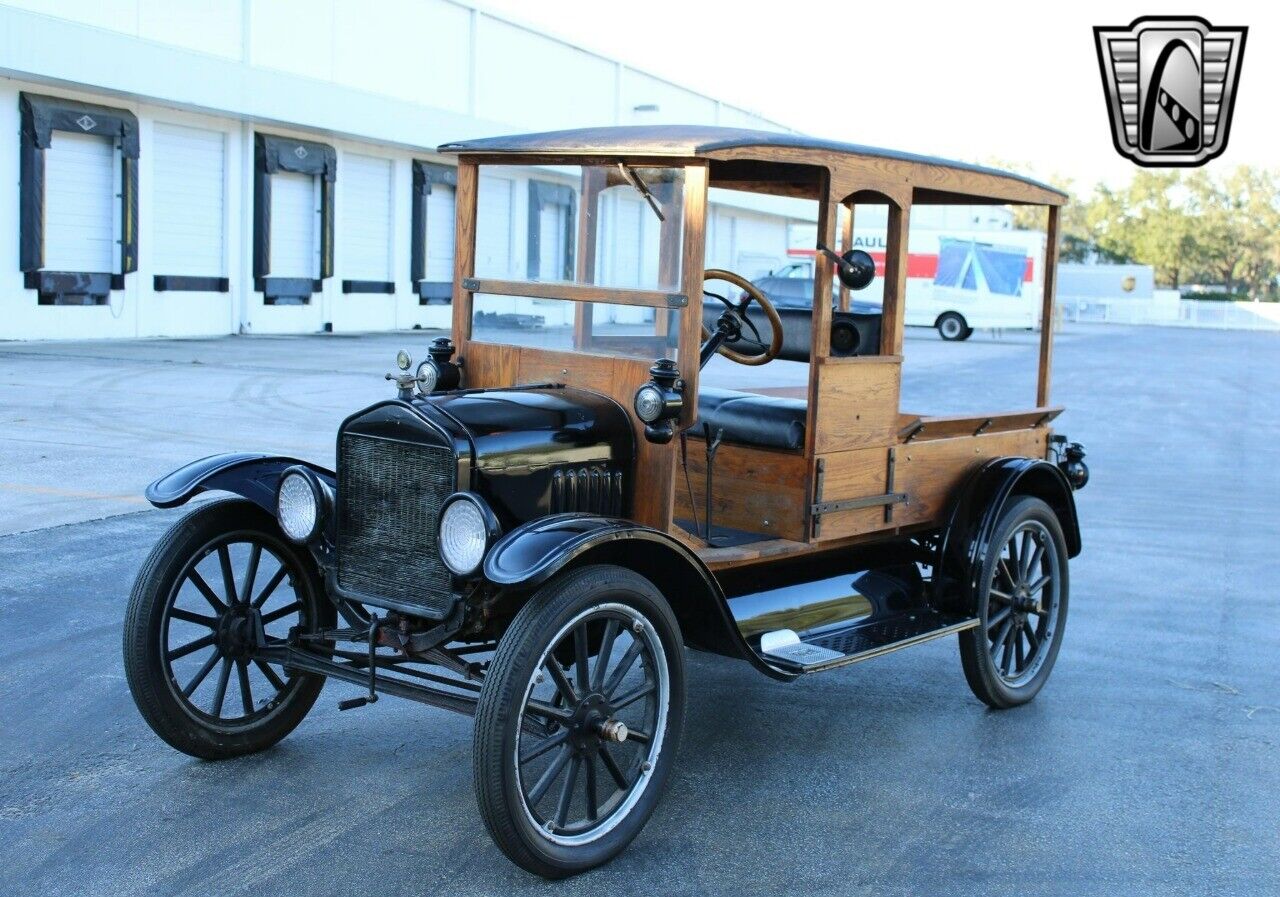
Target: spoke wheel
(1021, 609)
(219, 587)
(579, 719)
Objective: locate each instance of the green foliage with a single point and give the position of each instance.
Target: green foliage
(1197, 227)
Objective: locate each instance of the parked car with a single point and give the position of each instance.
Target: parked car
(517, 534)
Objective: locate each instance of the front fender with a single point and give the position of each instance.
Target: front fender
(253, 475)
(977, 508)
(532, 553)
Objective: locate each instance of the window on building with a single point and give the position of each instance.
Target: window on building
(367, 224)
(188, 206)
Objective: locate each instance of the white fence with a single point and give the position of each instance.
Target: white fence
(1167, 309)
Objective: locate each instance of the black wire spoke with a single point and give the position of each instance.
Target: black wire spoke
(1001, 637)
(1033, 641)
(548, 712)
(1019, 658)
(1039, 584)
(209, 594)
(549, 775)
(547, 744)
(228, 575)
(1036, 558)
(643, 691)
(563, 686)
(611, 629)
(566, 792)
(280, 612)
(623, 667)
(1008, 577)
(276, 682)
(187, 616)
(270, 587)
(255, 555)
(612, 766)
(202, 674)
(189, 648)
(999, 596)
(999, 618)
(639, 735)
(220, 695)
(593, 797)
(580, 658)
(1015, 562)
(246, 693)
(1007, 657)
(1024, 553)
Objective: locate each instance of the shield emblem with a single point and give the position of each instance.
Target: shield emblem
(1171, 85)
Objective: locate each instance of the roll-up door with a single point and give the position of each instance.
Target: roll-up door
(295, 247)
(188, 188)
(365, 206)
(440, 224)
(493, 227)
(552, 221)
(81, 206)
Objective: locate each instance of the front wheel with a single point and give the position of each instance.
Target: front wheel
(579, 720)
(953, 327)
(1022, 607)
(220, 584)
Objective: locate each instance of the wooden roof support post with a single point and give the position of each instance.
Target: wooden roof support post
(846, 243)
(464, 253)
(691, 267)
(1046, 309)
(895, 280)
(593, 183)
(820, 346)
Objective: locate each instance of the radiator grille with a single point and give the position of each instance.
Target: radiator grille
(589, 490)
(389, 498)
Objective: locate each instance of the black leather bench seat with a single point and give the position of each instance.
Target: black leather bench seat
(752, 419)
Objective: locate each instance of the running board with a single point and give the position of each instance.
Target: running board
(831, 648)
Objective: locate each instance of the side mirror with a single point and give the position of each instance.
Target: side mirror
(857, 269)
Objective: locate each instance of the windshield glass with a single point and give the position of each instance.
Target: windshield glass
(615, 227)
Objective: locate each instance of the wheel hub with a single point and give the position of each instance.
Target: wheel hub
(238, 632)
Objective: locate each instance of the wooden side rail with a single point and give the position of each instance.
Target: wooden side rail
(575, 292)
(916, 428)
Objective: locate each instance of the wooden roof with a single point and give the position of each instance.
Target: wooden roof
(931, 179)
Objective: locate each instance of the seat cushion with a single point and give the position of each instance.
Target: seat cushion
(751, 419)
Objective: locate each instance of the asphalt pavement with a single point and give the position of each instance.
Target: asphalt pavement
(1148, 765)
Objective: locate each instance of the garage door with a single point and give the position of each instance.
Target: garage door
(493, 228)
(188, 184)
(552, 221)
(80, 205)
(440, 224)
(366, 218)
(295, 245)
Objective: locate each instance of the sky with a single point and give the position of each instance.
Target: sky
(1011, 82)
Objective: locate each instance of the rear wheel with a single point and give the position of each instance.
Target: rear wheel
(220, 583)
(1022, 607)
(953, 327)
(579, 720)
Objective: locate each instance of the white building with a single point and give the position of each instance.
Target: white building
(198, 168)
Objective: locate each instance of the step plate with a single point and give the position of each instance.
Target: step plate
(834, 648)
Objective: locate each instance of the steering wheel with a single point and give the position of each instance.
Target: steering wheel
(729, 330)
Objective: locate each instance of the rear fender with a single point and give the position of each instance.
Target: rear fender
(252, 475)
(534, 552)
(975, 512)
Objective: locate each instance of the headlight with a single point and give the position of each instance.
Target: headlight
(467, 528)
(300, 504)
(649, 403)
(427, 376)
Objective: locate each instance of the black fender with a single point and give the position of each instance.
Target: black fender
(250, 474)
(534, 552)
(975, 511)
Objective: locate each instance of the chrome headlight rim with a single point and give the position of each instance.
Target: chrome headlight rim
(320, 498)
(654, 394)
(488, 521)
(428, 377)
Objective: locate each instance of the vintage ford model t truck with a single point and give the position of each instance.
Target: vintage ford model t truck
(532, 528)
